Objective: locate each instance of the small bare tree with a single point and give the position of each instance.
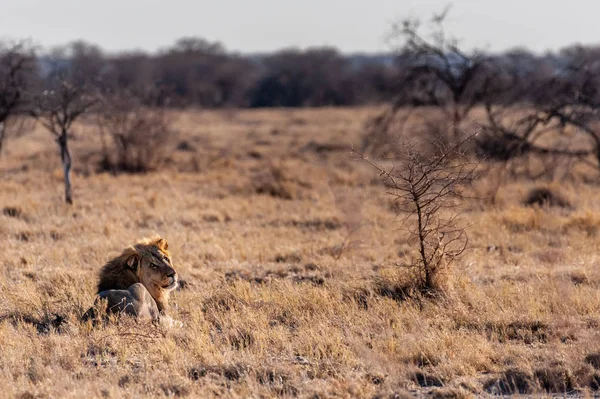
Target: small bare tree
(428, 189)
(17, 64)
(57, 108)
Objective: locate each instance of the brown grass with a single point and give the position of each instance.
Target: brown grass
(271, 308)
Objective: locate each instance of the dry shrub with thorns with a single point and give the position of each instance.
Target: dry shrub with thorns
(140, 135)
(428, 190)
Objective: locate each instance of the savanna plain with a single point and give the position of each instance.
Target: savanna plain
(289, 248)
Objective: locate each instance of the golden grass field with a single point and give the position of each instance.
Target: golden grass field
(289, 248)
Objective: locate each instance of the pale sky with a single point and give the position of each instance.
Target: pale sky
(264, 25)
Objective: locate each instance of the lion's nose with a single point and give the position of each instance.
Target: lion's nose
(172, 275)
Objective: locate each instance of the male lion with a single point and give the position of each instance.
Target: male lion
(138, 282)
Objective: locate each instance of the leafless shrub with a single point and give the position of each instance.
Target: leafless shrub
(428, 190)
(276, 180)
(271, 181)
(139, 136)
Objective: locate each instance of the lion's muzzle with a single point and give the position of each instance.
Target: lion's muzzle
(172, 282)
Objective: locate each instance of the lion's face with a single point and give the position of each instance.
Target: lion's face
(154, 267)
(156, 270)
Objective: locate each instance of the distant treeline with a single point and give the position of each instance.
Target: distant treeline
(194, 72)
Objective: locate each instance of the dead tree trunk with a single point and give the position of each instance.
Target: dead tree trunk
(65, 157)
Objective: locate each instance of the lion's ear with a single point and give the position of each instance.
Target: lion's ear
(162, 244)
(132, 262)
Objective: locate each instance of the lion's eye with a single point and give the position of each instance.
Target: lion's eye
(153, 266)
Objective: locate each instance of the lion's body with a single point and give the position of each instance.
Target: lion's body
(138, 282)
(135, 301)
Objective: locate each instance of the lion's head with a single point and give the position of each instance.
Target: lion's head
(147, 262)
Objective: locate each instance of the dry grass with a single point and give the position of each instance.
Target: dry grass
(259, 208)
